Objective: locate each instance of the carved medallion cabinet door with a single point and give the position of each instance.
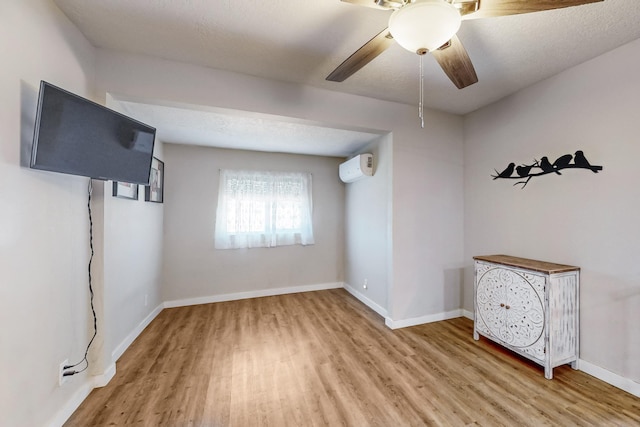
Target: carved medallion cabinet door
(529, 307)
(510, 309)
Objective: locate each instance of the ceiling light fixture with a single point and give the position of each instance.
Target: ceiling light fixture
(424, 26)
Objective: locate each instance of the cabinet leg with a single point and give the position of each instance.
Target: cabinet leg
(574, 364)
(476, 335)
(548, 373)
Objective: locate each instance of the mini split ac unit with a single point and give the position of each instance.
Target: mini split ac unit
(357, 168)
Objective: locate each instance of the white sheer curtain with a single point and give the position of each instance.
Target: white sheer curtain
(263, 209)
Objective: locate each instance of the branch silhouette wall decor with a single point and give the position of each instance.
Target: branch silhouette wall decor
(524, 173)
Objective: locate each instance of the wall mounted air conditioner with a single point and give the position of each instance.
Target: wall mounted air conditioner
(357, 168)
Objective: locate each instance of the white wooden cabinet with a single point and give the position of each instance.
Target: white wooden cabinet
(530, 307)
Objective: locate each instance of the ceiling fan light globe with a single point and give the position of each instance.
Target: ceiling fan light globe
(424, 24)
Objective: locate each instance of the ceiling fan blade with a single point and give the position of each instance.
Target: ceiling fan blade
(362, 56)
(384, 4)
(490, 8)
(456, 63)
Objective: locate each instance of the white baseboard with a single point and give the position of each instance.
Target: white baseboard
(397, 324)
(72, 404)
(81, 394)
(609, 377)
(251, 294)
(102, 380)
(615, 380)
(124, 345)
(366, 301)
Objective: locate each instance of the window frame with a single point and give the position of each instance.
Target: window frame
(241, 194)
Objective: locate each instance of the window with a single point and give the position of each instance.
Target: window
(263, 209)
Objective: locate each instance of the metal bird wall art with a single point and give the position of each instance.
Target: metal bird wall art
(525, 172)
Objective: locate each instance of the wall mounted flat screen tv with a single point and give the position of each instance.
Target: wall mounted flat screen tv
(79, 137)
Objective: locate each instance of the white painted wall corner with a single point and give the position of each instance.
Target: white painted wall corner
(81, 394)
(366, 301)
(404, 323)
(124, 345)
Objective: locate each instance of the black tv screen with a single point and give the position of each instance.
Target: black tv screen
(76, 136)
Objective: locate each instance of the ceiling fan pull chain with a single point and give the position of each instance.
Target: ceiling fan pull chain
(421, 103)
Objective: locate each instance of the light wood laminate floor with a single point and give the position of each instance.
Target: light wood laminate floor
(324, 359)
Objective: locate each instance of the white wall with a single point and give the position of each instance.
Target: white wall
(427, 163)
(368, 239)
(132, 263)
(193, 268)
(44, 215)
(427, 224)
(44, 248)
(580, 218)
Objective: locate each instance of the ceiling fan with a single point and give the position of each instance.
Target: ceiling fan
(423, 26)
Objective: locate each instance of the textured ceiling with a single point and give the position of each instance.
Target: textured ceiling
(196, 125)
(303, 41)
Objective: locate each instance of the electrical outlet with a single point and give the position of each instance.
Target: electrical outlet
(365, 284)
(62, 379)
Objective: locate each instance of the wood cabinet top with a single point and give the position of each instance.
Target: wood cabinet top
(529, 264)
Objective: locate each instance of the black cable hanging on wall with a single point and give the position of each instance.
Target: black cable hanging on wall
(66, 372)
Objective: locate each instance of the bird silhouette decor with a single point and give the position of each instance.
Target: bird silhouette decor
(525, 172)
